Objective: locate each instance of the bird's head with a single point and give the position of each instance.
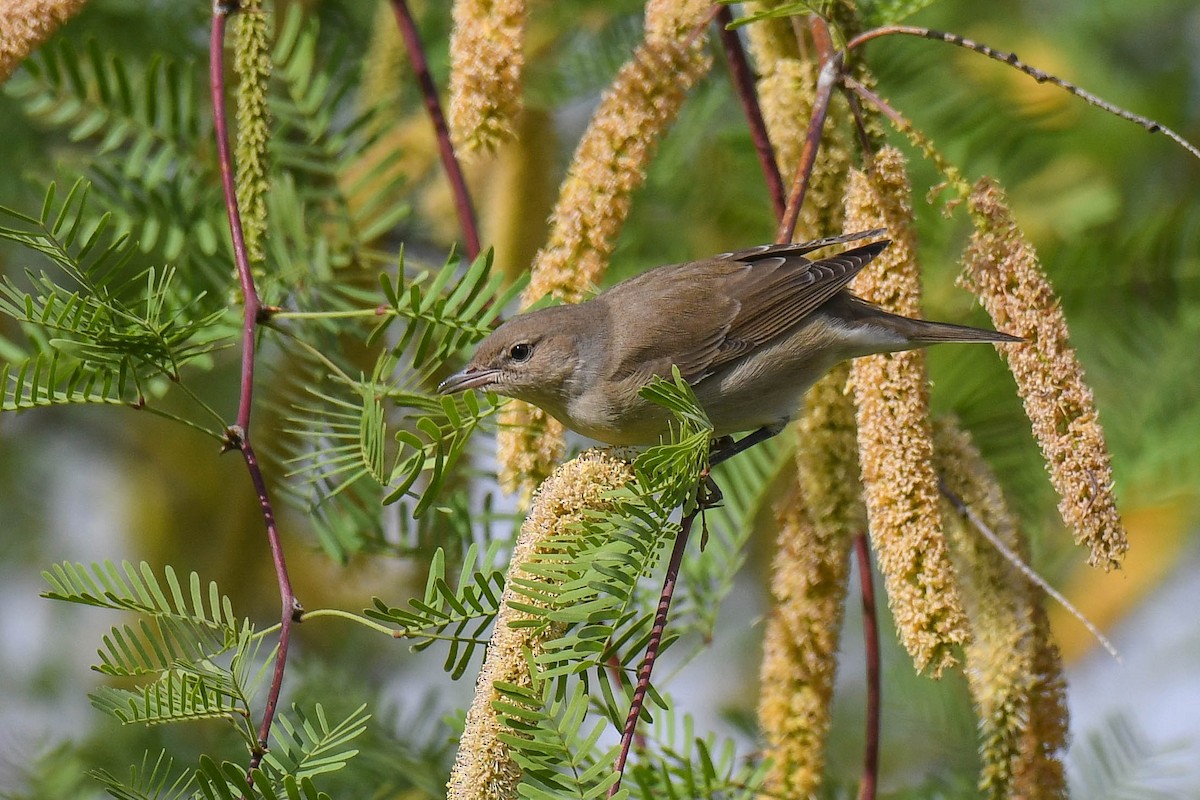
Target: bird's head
(533, 357)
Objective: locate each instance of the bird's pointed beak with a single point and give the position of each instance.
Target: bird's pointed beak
(469, 378)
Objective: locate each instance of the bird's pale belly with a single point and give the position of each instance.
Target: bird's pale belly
(765, 387)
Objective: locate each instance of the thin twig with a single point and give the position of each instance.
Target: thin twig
(251, 304)
(238, 435)
(822, 39)
(950, 172)
(743, 84)
(290, 605)
(870, 776)
(621, 681)
(829, 76)
(1038, 75)
(860, 120)
(656, 634)
(458, 184)
(1026, 570)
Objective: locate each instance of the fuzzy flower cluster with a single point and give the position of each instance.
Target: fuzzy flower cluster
(611, 160)
(252, 61)
(808, 587)
(895, 441)
(608, 166)
(786, 89)
(1012, 668)
(530, 442)
(486, 60)
(25, 24)
(1044, 738)
(1002, 268)
(484, 768)
(827, 455)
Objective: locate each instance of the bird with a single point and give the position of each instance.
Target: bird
(750, 331)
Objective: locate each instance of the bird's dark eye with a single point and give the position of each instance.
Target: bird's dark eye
(520, 351)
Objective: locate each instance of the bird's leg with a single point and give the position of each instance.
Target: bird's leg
(726, 448)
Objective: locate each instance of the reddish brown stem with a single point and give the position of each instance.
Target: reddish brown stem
(870, 776)
(251, 305)
(619, 680)
(656, 634)
(458, 184)
(291, 607)
(830, 75)
(808, 155)
(239, 434)
(818, 29)
(743, 83)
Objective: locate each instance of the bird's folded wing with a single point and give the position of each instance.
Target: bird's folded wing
(701, 315)
(779, 291)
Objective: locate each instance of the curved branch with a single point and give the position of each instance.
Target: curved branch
(743, 83)
(238, 435)
(1038, 75)
(458, 184)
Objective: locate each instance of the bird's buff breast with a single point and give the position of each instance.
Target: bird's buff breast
(755, 391)
(635, 421)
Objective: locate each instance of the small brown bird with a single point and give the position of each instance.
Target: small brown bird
(750, 331)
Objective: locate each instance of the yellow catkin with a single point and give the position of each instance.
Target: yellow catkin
(827, 456)
(385, 64)
(1001, 267)
(808, 585)
(486, 60)
(1012, 668)
(516, 229)
(1039, 775)
(608, 166)
(484, 768)
(529, 443)
(786, 88)
(610, 162)
(894, 437)
(25, 24)
(252, 62)
(771, 39)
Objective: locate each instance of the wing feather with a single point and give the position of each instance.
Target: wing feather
(704, 314)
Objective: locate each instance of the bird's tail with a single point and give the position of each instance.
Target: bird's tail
(919, 331)
(916, 332)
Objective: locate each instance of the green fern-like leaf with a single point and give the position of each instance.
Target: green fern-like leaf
(139, 589)
(443, 313)
(157, 644)
(558, 757)
(51, 380)
(686, 765)
(458, 614)
(1117, 761)
(149, 159)
(109, 332)
(227, 781)
(177, 696)
(308, 744)
(673, 469)
(93, 95)
(347, 436)
(326, 145)
(149, 781)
